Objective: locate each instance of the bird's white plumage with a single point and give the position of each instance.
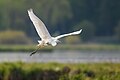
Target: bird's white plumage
(39, 25)
(73, 33)
(43, 32)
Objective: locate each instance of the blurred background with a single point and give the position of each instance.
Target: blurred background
(98, 45)
(99, 19)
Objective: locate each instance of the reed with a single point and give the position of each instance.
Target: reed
(58, 71)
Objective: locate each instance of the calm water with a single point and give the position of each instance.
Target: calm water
(62, 56)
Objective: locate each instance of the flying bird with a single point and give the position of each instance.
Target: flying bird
(43, 33)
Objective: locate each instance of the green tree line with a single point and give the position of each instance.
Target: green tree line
(96, 17)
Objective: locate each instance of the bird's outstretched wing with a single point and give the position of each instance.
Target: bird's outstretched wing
(39, 25)
(73, 33)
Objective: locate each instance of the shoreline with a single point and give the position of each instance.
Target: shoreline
(82, 47)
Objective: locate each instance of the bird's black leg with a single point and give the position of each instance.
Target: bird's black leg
(35, 51)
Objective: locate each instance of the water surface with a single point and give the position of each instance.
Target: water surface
(63, 56)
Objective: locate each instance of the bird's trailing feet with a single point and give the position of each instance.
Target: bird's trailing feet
(35, 50)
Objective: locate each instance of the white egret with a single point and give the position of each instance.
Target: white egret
(43, 33)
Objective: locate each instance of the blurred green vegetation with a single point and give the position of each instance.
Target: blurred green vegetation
(58, 71)
(96, 17)
(72, 40)
(14, 37)
(23, 48)
(117, 30)
(81, 47)
(88, 30)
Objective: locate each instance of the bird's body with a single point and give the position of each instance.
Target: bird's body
(43, 33)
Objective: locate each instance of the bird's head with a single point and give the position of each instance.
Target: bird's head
(53, 43)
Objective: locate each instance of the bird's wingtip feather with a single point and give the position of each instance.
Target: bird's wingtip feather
(30, 10)
(80, 31)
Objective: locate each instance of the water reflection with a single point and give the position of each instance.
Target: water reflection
(62, 56)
